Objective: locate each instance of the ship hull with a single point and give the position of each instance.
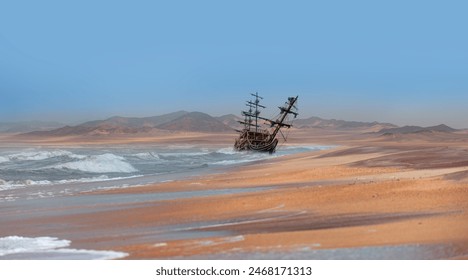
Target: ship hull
(258, 142)
(252, 137)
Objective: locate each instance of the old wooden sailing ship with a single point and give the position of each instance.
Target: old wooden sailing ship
(253, 137)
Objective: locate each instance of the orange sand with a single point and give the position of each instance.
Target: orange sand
(372, 192)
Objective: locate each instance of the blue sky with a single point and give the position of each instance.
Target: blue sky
(404, 62)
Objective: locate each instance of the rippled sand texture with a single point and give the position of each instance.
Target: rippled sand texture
(328, 206)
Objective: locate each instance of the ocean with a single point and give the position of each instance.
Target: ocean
(35, 180)
(30, 173)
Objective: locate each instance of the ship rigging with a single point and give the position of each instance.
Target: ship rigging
(252, 136)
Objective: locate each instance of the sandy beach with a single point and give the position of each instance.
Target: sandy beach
(366, 198)
(246, 130)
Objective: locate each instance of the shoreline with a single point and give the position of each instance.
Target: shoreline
(371, 201)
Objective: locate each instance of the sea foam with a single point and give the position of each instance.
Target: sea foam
(227, 151)
(9, 185)
(37, 169)
(18, 247)
(106, 163)
(147, 156)
(42, 155)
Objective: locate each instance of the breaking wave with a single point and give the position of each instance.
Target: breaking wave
(41, 155)
(227, 151)
(3, 159)
(147, 156)
(18, 247)
(36, 167)
(9, 185)
(106, 163)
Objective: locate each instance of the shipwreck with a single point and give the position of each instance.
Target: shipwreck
(255, 136)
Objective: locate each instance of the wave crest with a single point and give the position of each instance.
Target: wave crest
(40, 155)
(3, 159)
(50, 248)
(106, 163)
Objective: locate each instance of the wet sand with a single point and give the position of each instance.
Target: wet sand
(369, 199)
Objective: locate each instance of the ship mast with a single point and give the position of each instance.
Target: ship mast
(256, 104)
(253, 112)
(263, 140)
(285, 111)
(248, 116)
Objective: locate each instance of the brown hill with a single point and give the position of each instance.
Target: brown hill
(135, 122)
(104, 129)
(196, 121)
(417, 129)
(231, 121)
(434, 134)
(316, 122)
(182, 121)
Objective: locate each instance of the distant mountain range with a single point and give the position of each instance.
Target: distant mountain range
(201, 122)
(441, 133)
(177, 121)
(196, 121)
(22, 127)
(417, 129)
(316, 122)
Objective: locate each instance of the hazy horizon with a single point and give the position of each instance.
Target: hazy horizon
(402, 62)
(78, 122)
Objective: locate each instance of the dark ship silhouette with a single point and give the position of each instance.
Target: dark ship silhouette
(253, 137)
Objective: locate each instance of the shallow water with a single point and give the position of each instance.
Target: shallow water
(41, 183)
(88, 203)
(38, 183)
(40, 173)
(48, 248)
(398, 252)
